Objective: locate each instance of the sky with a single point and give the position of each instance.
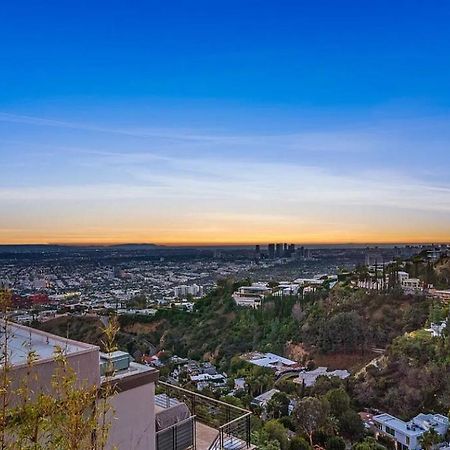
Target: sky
(224, 122)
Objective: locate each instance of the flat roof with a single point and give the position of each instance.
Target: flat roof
(22, 340)
(266, 396)
(269, 360)
(398, 425)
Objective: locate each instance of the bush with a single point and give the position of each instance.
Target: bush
(299, 443)
(335, 443)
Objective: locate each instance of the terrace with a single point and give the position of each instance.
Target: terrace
(209, 424)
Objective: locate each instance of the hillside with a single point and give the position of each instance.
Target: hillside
(341, 327)
(414, 375)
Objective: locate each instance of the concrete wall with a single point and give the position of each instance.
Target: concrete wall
(133, 425)
(38, 377)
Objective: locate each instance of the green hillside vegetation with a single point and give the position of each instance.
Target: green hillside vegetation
(85, 329)
(414, 375)
(218, 329)
(338, 321)
(437, 274)
(341, 321)
(352, 320)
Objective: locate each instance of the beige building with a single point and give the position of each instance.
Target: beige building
(139, 420)
(133, 401)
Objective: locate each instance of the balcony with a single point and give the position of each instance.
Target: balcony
(206, 423)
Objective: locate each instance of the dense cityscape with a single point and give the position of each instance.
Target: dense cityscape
(140, 278)
(74, 292)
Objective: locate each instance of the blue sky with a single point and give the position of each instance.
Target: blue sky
(236, 121)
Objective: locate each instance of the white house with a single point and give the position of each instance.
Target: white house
(436, 329)
(407, 434)
(271, 361)
(204, 380)
(251, 296)
(411, 284)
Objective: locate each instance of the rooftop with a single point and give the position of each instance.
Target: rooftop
(23, 340)
(265, 396)
(398, 425)
(416, 426)
(269, 360)
(310, 377)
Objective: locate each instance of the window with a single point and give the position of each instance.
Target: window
(407, 440)
(390, 431)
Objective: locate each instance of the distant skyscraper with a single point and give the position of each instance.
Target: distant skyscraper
(279, 250)
(271, 250)
(257, 251)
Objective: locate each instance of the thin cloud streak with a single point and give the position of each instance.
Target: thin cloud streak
(346, 141)
(288, 185)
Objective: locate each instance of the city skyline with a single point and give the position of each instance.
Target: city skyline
(233, 123)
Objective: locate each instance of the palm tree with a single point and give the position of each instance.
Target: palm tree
(429, 439)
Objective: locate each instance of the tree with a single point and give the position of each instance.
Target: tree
(430, 438)
(339, 401)
(344, 331)
(259, 380)
(324, 384)
(262, 441)
(299, 443)
(276, 432)
(311, 413)
(335, 443)
(70, 414)
(278, 405)
(369, 443)
(351, 425)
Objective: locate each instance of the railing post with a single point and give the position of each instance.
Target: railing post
(248, 430)
(174, 434)
(194, 432)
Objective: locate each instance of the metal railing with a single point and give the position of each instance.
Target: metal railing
(231, 422)
(179, 436)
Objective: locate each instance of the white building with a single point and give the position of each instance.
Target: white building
(287, 289)
(407, 434)
(205, 380)
(270, 361)
(184, 290)
(436, 329)
(411, 284)
(262, 400)
(251, 296)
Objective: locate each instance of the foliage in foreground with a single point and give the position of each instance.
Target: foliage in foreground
(69, 415)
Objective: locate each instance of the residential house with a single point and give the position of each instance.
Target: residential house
(407, 434)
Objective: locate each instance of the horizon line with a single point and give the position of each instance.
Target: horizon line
(218, 244)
